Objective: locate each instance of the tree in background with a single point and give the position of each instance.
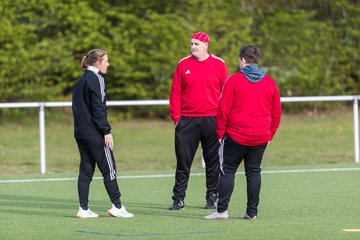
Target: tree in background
(309, 47)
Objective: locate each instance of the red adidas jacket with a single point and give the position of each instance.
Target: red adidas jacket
(249, 112)
(196, 87)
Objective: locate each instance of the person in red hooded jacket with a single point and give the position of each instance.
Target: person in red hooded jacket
(247, 119)
(194, 98)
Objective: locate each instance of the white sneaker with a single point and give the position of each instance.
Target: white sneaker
(119, 212)
(217, 216)
(86, 213)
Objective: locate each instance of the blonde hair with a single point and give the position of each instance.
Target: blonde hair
(92, 57)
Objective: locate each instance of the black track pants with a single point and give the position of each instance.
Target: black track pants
(188, 134)
(231, 155)
(92, 152)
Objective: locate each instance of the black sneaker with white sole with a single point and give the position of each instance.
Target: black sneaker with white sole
(247, 217)
(211, 201)
(177, 205)
(210, 204)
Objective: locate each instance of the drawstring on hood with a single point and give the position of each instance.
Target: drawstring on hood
(253, 73)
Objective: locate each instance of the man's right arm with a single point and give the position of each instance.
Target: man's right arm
(224, 76)
(175, 96)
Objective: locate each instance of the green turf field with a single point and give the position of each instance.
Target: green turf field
(294, 205)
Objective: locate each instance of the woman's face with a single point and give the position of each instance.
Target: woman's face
(103, 64)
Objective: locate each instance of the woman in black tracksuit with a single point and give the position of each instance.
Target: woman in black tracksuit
(92, 132)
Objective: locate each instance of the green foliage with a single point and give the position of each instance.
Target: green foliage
(313, 48)
(144, 54)
(308, 47)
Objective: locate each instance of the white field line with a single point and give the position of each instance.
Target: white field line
(172, 175)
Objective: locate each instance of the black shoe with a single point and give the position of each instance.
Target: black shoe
(211, 201)
(177, 205)
(247, 217)
(210, 204)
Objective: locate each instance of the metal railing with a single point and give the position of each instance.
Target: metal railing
(43, 105)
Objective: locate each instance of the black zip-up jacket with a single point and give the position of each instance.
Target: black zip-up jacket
(89, 106)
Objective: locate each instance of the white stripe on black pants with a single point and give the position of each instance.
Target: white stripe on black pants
(232, 155)
(93, 152)
(189, 132)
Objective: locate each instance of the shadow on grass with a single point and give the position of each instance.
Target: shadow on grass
(156, 209)
(47, 206)
(31, 205)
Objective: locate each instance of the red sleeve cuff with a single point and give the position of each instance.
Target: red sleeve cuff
(176, 119)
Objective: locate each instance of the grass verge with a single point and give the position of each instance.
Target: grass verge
(302, 139)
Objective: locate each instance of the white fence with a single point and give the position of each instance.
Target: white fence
(42, 105)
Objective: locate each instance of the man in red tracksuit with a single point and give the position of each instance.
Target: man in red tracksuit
(247, 119)
(194, 98)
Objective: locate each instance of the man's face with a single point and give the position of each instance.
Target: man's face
(242, 63)
(199, 49)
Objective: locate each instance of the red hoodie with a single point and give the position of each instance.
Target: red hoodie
(249, 112)
(196, 87)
